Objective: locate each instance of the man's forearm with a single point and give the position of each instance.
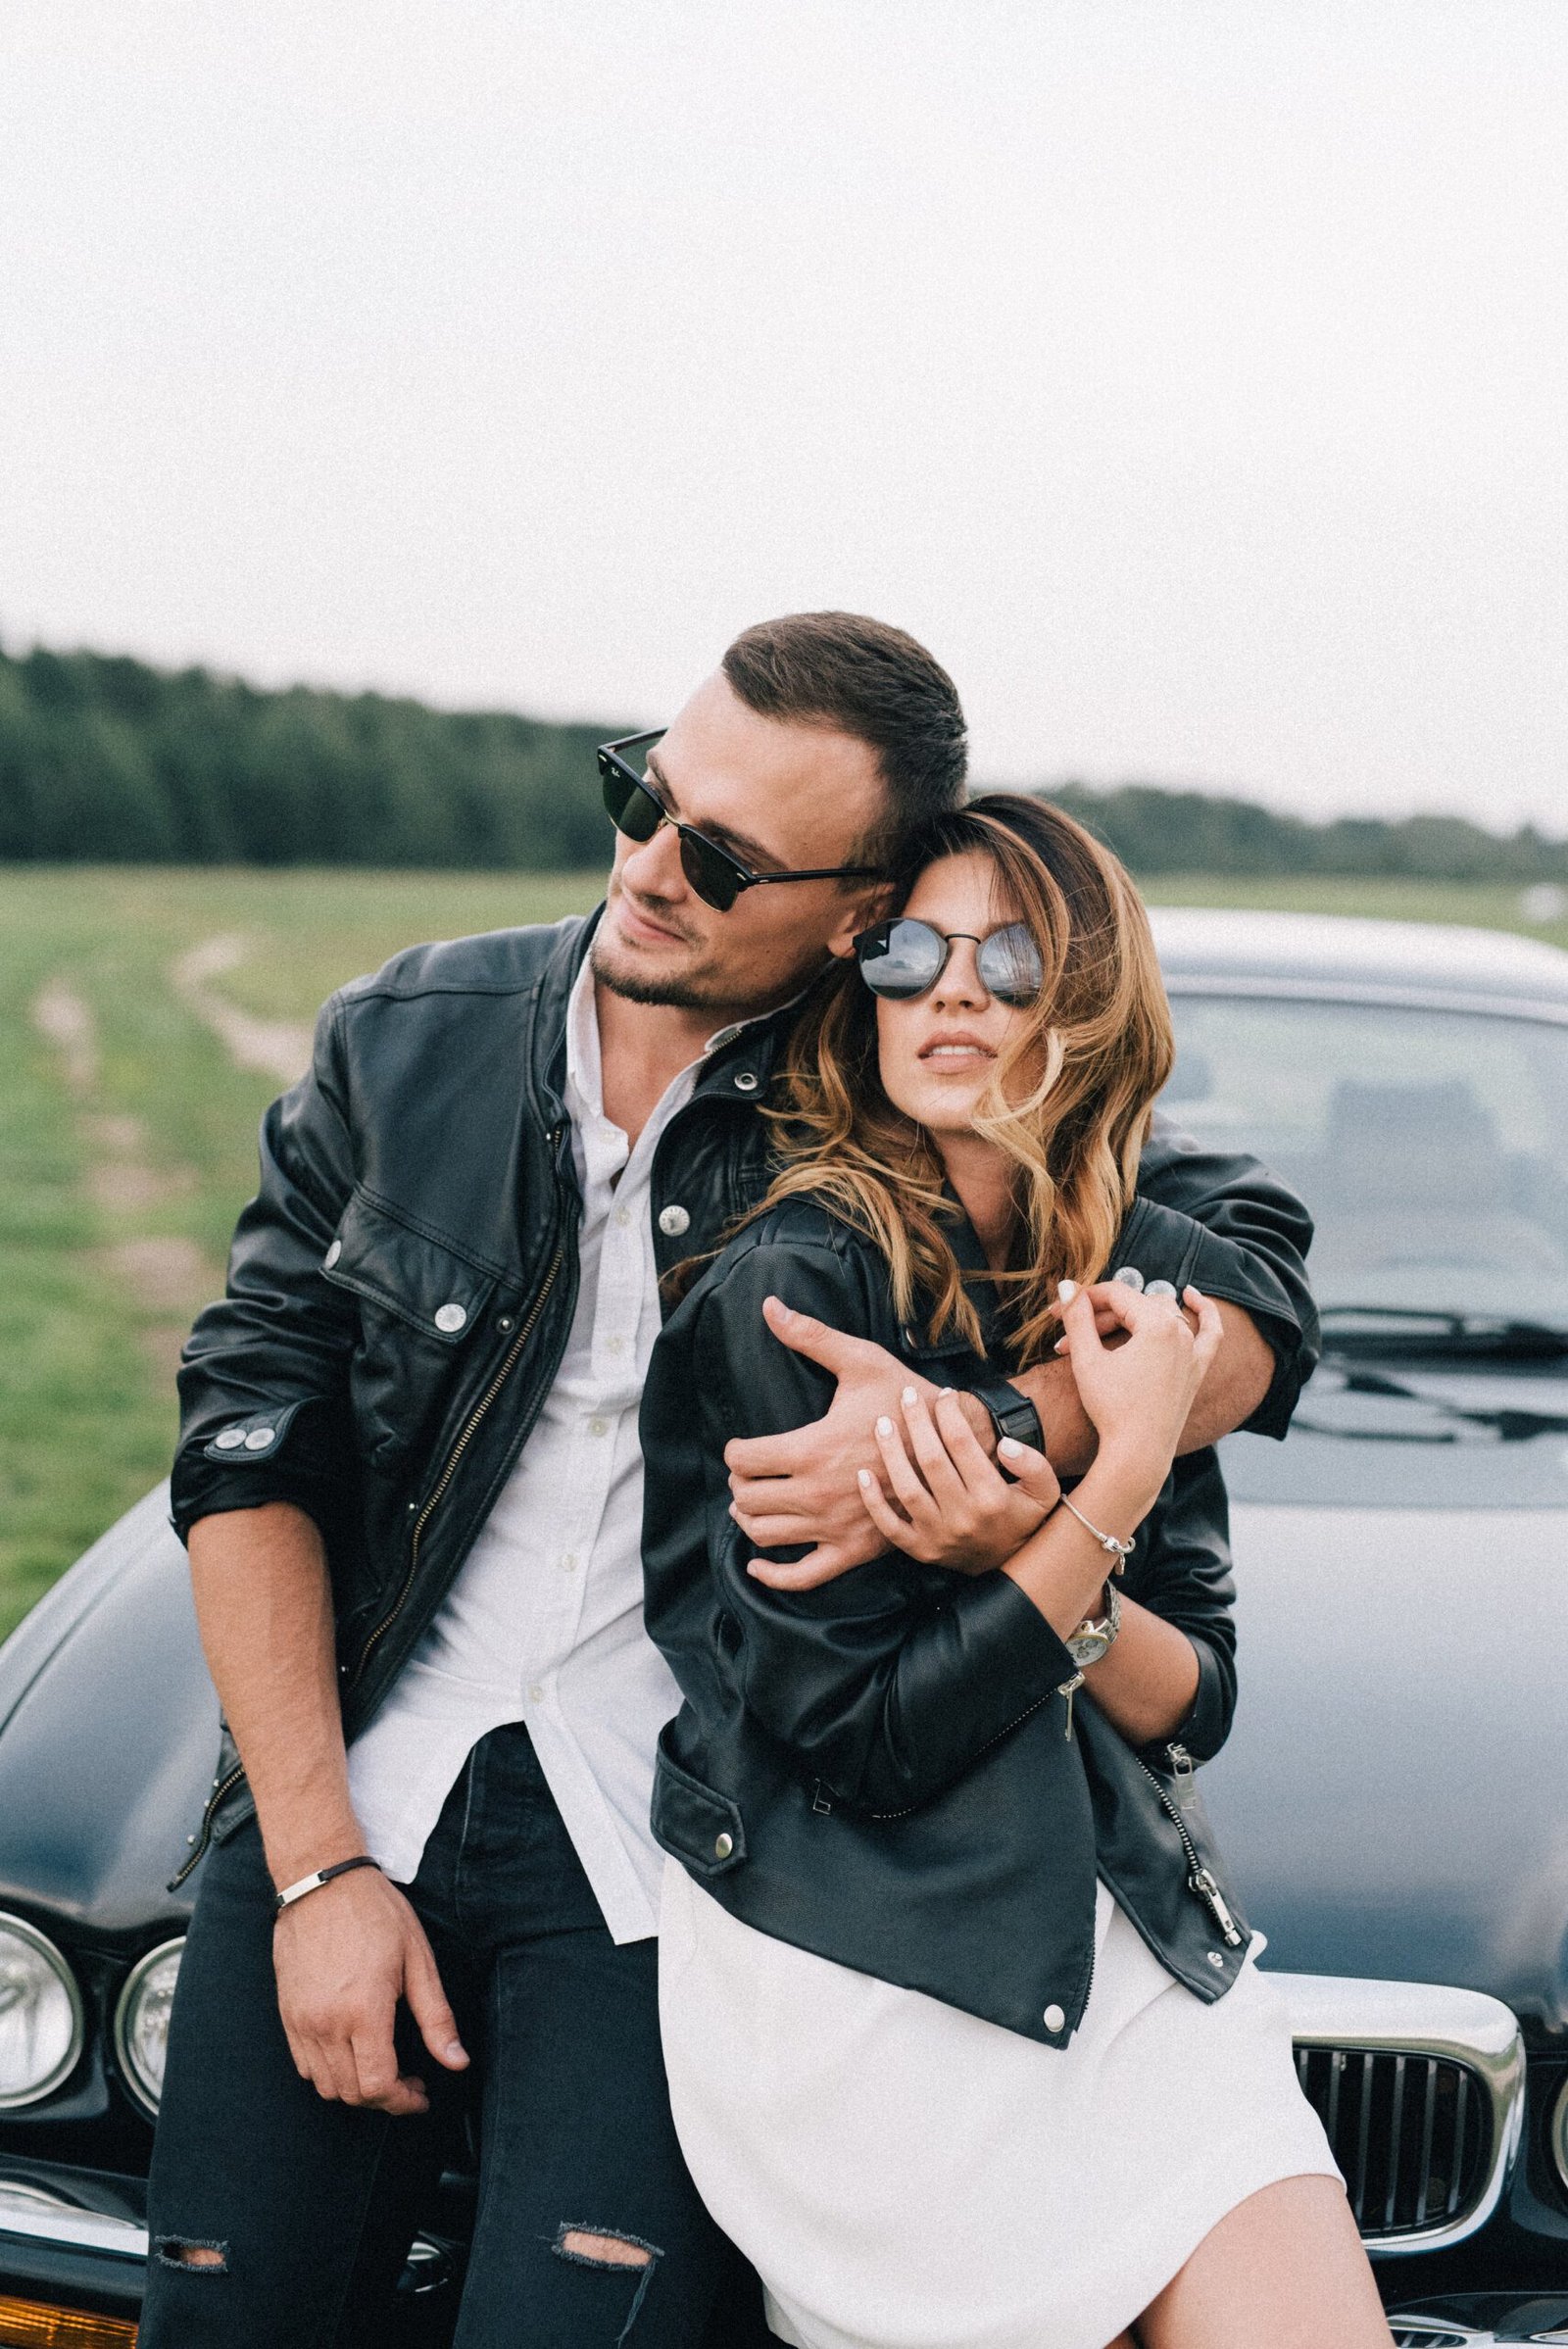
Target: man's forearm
(1237, 1380)
(264, 1602)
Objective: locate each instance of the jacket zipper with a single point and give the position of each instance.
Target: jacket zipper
(453, 1456)
(201, 1840)
(1200, 1879)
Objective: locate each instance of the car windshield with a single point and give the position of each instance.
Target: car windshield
(1431, 1146)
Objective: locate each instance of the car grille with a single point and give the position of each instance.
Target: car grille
(1412, 2134)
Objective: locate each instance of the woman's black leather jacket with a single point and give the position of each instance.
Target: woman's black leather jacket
(878, 1770)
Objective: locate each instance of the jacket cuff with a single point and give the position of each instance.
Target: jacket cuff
(1205, 1725)
(1166, 1245)
(250, 1459)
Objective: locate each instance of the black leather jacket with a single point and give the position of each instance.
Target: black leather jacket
(879, 1771)
(401, 1285)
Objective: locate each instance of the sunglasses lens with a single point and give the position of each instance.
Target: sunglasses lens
(713, 877)
(1009, 962)
(901, 959)
(629, 807)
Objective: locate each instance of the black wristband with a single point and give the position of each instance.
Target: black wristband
(1011, 1413)
(323, 1876)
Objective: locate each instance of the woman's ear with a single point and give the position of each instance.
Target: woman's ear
(860, 913)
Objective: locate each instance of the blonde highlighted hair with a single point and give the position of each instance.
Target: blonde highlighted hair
(1068, 1100)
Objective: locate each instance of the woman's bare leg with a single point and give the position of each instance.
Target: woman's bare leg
(1286, 2267)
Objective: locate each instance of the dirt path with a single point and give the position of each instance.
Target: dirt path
(167, 1275)
(273, 1048)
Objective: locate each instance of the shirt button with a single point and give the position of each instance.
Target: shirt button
(536, 1693)
(568, 1562)
(451, 1318)
(1055, 2017)
(674, 1222)
(615, 1345)
(723, 1846)
(623, 1217)
(598, 1427)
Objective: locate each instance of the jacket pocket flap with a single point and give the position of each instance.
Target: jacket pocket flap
(407, 1272)
(703, 1829)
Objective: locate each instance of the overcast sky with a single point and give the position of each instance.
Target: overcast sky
(1189, 377)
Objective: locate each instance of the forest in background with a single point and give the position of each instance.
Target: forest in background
(108, 760)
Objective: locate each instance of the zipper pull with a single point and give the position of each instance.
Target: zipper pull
(1183, 1770)
(1069, 1689)
(1213, 1899)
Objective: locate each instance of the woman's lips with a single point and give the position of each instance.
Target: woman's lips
(955, 1051)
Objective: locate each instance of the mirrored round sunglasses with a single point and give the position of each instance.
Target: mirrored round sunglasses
(903, 958)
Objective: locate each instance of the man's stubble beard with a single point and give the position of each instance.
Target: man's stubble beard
(691, 994)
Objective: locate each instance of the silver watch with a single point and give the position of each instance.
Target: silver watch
(1089, 1642)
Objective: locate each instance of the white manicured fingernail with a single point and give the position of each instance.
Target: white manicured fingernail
(1009, 1448)
(907, 1395)
(1066, 1291)
(884, 1427)
(865, 1475)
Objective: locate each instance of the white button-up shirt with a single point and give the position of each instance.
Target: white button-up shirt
(544, 1623)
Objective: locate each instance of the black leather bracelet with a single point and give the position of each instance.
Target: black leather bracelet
(313, 1883)
(1011, 1413)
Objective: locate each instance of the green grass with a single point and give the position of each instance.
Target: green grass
(86, 1397)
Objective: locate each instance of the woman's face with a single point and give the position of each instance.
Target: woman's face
(936, 1053)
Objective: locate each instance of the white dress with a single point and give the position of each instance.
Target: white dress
(904, 2175)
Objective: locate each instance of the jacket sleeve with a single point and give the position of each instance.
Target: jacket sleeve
(1185, 1577)
(883, 1685)
(1250, 1249)
(264, 1378)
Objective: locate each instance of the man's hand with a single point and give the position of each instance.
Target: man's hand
(803, 1488)
(344, 1957)
(1237, 1378)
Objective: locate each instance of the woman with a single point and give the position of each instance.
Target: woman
(967, 2045)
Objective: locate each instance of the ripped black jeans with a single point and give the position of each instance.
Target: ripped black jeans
(307, 2208)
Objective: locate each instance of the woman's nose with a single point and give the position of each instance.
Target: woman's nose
(959, 985)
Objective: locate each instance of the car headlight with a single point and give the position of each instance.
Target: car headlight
(1560, 2132)
(41, 2026)
(141, 2022)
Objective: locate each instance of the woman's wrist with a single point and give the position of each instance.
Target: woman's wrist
(1122, 1487)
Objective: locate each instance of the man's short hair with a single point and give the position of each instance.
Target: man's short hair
(875, 683)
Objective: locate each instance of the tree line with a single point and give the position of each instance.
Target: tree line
(107, 760)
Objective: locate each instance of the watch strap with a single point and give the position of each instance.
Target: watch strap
(1011, 1413)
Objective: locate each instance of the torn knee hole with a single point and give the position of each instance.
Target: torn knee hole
(179, 2251)
(596, 2250)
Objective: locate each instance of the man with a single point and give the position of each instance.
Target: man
(410, 1483)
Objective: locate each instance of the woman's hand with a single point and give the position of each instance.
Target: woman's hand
(1138, 1390)
(954, 1510)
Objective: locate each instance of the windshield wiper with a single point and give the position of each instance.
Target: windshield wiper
(1403, 1329)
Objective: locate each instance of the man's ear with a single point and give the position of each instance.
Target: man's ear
(860, 913)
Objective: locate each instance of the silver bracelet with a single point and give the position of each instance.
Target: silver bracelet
(1119, 1551)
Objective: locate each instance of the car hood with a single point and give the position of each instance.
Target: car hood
(108, 1735)
(1394, 1798)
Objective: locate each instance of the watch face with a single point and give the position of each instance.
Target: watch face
(1088, 1647)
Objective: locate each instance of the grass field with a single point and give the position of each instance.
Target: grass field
(127, 1125)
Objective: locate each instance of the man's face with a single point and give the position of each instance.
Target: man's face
(779, 796)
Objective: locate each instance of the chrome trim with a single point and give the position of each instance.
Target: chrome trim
(133, 1982)
(1560, 2132)
(30, 2215)
(78, 2021)
(1375, 991)
(1520, 2320)
(1424, 2019)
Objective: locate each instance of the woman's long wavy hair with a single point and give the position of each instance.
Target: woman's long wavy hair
(1068, 1100)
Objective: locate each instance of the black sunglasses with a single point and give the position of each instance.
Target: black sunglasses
(636, 809)
(903, 958)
